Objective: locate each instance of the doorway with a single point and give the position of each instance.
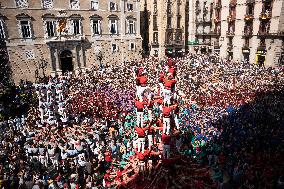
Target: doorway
(66, 61)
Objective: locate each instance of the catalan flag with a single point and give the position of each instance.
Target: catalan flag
(62, 25)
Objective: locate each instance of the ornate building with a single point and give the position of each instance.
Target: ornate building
(251, 30)
(164, 27)
(53, 36)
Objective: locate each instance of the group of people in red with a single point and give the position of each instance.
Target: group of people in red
(156, 110)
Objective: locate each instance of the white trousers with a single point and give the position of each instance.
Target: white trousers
(141, 145)
(150, 141)
(166, 125)
(167, 96)
(139, 117)
(140, 90)
(176, 122)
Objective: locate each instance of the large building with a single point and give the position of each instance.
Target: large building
(56, 36)
(163, 27)
(251, 30)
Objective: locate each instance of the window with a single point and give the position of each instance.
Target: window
(169, 22)
(76, 27)
(30, 54)
(155, 37)
(155, 7)
(155, 24)
(25, 27)
(114, 47)
(156, 53)
(113, 26)
(94, 4)
(129, 6)
(22, 3)
(96, 27)
(74, 4)
(131, 27)
(50, 27)
(2, 30)
(178, 21)
(47, 4)
(132, 46)
(112, 6)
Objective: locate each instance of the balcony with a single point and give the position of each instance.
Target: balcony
(266, 1)
(247, 33)
(233, 3)
(155, 44)
(230, 33)
(250, 2)
(265, 15)
(231, 18)
(230, 47)
(218, 6)
(217, 20)
(263, 33)
(215, 33)
(249, 18)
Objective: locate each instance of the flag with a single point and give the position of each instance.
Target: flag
(62, 25)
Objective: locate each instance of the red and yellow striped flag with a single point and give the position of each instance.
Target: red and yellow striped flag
(61, 25)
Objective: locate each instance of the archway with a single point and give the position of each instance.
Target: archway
(66, 61)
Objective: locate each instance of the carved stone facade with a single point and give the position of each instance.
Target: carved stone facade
(166, 30)
(239, 29)
(88, 32)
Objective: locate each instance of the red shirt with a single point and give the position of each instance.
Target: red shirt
(172, 70)
(139, 105)
(142, 80)
(140, 131)
(167, 111)
(168, 83)
(161, 78)
(166, 139)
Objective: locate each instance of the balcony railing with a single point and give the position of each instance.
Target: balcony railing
(248, 17)
(247, 33)
(250, 2)
(245, 47)
(265, 15)
(215, 33)
(263, 33)
(217, 20)
(230, 33)
(155, 44)
(231, 18)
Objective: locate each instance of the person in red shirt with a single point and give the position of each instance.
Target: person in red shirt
(166, 139)
(140, 111)
(169, 83)
(142, 83)
(167, 110)
(141, 138)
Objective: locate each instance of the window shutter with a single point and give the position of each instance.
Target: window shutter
(99, 26)
(127, 27)
(116, 27)
(30, 29)
(134, 27)
(109, 26)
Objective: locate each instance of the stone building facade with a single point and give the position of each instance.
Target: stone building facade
(163, 25)
(54, 36)
(249, 30)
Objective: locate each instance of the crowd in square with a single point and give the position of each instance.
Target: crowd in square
(198, 121)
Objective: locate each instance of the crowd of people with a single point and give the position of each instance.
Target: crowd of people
(198, 121)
